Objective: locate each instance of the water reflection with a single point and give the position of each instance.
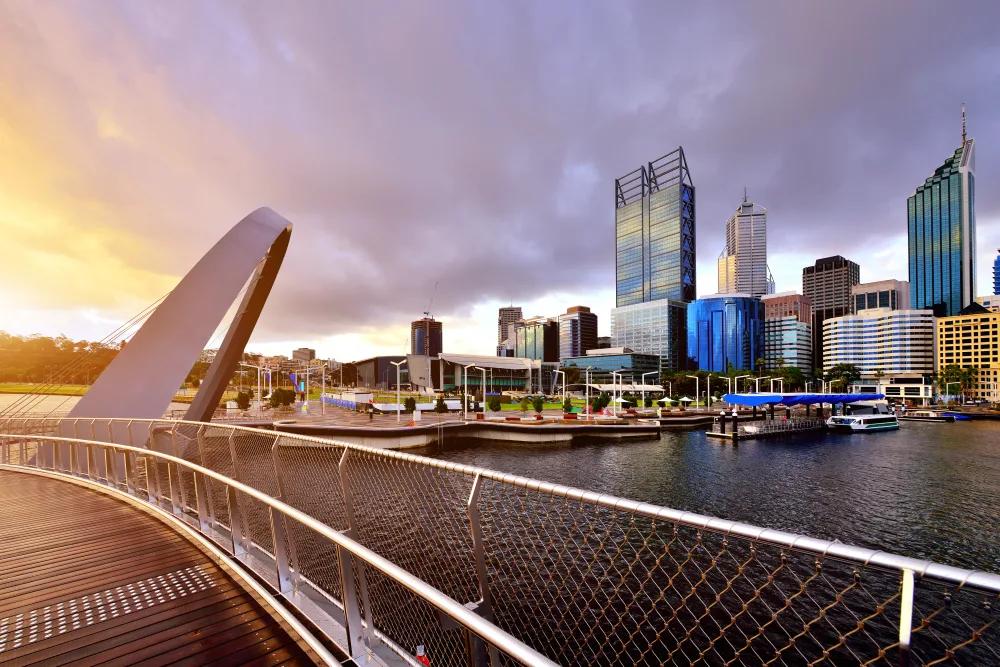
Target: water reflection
(927, 490)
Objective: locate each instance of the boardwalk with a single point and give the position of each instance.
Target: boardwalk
(87, 579)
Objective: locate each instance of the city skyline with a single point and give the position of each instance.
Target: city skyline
(148, 108)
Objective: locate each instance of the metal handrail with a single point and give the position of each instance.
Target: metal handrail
(924, 569)
(459, 613)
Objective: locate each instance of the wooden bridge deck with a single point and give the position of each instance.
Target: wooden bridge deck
(88, 579)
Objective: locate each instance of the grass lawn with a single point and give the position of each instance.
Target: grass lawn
(54, 390)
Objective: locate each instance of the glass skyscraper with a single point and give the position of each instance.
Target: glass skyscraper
(725, 331)
(654, 232)
(996, 274)
(941, 224)
(654, 258)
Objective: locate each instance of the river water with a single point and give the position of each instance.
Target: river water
(927, 490)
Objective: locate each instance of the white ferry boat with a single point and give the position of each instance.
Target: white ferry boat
(863, 422)
(925, 416)
(865, 416)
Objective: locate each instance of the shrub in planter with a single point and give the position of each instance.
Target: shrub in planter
(494, 404)
(649, 401)
(439, 405)
(243, 400)
(568, 405)
(410, 404)
(538, 403)
(525, 404)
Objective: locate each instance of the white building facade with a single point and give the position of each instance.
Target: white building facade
(654, 327)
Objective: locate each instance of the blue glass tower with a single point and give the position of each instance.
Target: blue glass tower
(996, 273)
(941, 224)
(725, 331)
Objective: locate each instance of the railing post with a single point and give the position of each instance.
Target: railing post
(206, 483)
(279, 537)
(203, 502)
(235, 523)
(130, 486)
(356, 636)
(484, 608)
(110, 474)
(352, 532)
(173, 475)
(905, 617)
(291, 556)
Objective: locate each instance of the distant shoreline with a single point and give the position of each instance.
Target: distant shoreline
(72, 390)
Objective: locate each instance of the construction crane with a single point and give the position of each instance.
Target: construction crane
(430, 305)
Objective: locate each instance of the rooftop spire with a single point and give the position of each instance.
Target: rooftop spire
(744, 194)
(963, 124)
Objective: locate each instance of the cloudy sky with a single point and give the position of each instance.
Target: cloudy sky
(471, 146)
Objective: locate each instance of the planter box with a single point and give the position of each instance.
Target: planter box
(480, 416)
(569, 415)
(512, 419)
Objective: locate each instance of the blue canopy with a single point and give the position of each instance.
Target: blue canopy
(752, 400)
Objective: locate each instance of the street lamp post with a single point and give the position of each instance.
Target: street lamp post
(465, 390)
(586, 389)
(948, 384)
(644, 385)
(399, 407)
(708, 391)
(615, 378)
(781, 384)
(563, 373)
(757, 385)
(736, 382)
(484, 383)
(697, 388)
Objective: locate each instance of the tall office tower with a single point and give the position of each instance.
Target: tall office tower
(788, 331)
(506, 316)
(426, 337)
(891, 294)
(941, 224)
(827, 284)
(654, 258)
(996, 273)
(577, 332)
(742, 266)
(536, 338)
(655, 232)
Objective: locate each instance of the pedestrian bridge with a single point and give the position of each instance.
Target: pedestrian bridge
(155, 541)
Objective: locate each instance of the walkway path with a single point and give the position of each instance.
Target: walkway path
(87, 579)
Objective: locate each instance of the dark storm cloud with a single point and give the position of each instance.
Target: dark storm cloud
(474, 145)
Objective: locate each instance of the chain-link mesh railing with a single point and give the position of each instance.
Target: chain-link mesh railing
(587, 578)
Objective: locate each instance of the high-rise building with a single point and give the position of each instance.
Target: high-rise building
(603, 342)
(577, 332)
(655, 327)
(655, 232)
(788, 331)
(970, 341)
(303, 354)
(742, 266)
(725, 331)
(506, 316)
(881, 342)
(891, 294)
(426, 337)
(941, 225)
(536, 338)
(654, 258)
(827, 284)
(996, 273)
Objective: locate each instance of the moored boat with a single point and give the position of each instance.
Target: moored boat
(863, 423)
(926, 416)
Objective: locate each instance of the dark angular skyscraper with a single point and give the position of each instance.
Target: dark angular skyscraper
(941, 225)
(655, 232)
(426, 337)
(827, 284)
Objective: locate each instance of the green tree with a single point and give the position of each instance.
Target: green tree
(243, 400)
(525, 404)
(847, 374)
(410, 404)
(538, 403)
(439, 405)
(568, 405)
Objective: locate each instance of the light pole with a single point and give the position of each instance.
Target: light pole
(322, 391)
(563, 373)
(757, 385)
(586, 389)
(399, 407)
(484, 382)
(736, 381)
(697, 387)
(644, 385)
(465, 390)
(259, 369)
(948, 384)
(729, 385)
(708, 391)
(781, 384)
(615, 378)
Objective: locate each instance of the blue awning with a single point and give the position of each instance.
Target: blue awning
(752, 400)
